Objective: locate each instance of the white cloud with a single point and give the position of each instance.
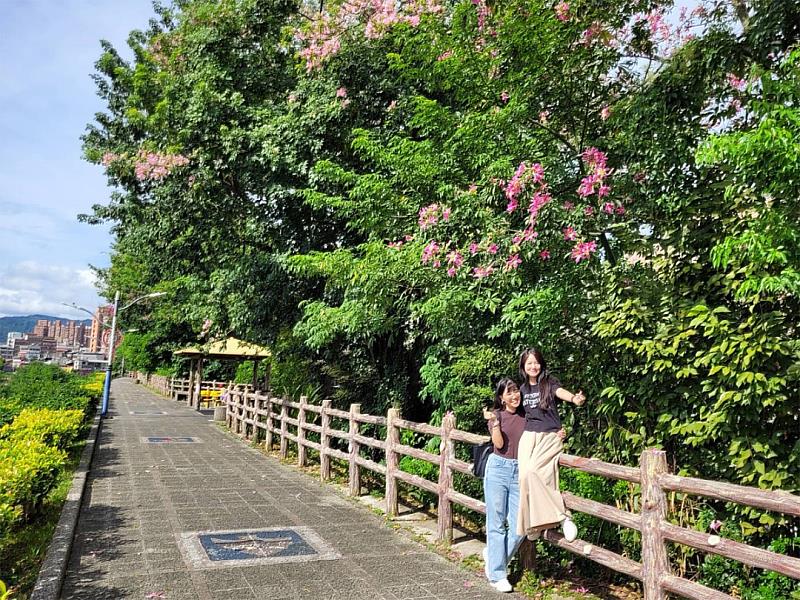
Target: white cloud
(31, 287)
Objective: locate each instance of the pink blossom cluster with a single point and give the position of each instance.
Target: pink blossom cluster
(430, 215)
(483, 13)
(323, 38)
(595, 181)
(666, 38)
(583, 251)
(735, 82)
(523, 176)
(156, 166)
(562, 11)
(108, 158)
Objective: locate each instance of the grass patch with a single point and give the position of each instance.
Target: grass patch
(22, 550)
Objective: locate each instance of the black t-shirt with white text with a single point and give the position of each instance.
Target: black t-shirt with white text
(536, 418)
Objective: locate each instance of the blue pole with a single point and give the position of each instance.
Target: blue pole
(107, 383)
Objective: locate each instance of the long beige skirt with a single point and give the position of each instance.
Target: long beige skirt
(540, 502)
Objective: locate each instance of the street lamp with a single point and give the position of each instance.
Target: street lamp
(107, 383)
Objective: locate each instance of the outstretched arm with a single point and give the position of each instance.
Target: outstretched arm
(567, 396)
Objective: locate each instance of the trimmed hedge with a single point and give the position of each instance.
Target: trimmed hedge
(57, 428)
(29, 469)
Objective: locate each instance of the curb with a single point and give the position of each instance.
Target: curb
(54, 568)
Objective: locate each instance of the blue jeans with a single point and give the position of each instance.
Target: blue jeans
(501, 490)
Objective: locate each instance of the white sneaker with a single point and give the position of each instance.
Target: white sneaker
(569, 529)
(486, 561)
(502, 586)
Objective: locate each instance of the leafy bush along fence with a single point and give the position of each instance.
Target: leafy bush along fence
(251, 414)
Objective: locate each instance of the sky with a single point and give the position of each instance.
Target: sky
(47, 53)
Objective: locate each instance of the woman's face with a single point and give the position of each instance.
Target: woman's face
(511, 398)
(532, 367)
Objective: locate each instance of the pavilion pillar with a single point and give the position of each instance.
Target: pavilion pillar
(198, 384)
(190, 386)
(255, 376)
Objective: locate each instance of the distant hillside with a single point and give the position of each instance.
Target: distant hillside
(25, 324)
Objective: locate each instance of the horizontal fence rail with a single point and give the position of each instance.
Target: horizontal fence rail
(279, 421)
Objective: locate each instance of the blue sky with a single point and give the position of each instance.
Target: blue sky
(47, 54)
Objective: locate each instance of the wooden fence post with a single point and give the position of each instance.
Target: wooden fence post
(284, 439)
(655, 563)
(229, 409)
(325, 442)
(355, 473)
(301, 432)
(392, 439)
(445, 521)
(270, 425)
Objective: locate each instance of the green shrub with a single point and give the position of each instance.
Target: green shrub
(57, 428)
(28, 471)
(44, 386)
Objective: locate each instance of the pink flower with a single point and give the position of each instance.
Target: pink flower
(108, 158)
(429, 251)
(583, 250)
(445, 55)
(530, 235)
(428, 215)
(455, 259)
(562, 11)
(568, 205)
(605, 113)
(715, 525)
(544, 254)
(736, 82)
(482, 272)
(472, 188)
(504, 96)
(620, 210)
(588, 211)
(409, 237)
(473, 249)
(451, 271)
(516, 239)
(608, 207)
(603, 191)
(570, 234)
(392, 105)
(492, 249)
(544, 116)
(512, 206)
(513, 261)
(445, 214)
(341, 92)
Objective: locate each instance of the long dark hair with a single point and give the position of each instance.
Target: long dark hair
(500, 389)
(544, 376)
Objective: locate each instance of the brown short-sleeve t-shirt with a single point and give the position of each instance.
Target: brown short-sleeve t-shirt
(511, 427)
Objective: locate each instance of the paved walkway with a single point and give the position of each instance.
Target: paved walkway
(145, 502)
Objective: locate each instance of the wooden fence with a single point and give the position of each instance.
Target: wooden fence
(180, 390)
(251, 414)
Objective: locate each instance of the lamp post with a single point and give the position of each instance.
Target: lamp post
(107, 383)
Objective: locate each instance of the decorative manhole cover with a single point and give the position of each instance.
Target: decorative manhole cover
(171, 440)
(147, 413)
(247, 547)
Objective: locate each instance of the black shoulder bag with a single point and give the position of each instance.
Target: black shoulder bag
(480, 454)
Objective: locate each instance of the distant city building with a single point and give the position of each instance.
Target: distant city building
(86, 362)
(13, 335)
(102, 317)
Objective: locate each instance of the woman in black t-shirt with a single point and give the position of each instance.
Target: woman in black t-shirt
(540, 503)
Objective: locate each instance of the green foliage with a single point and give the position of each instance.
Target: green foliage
(44, 386)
